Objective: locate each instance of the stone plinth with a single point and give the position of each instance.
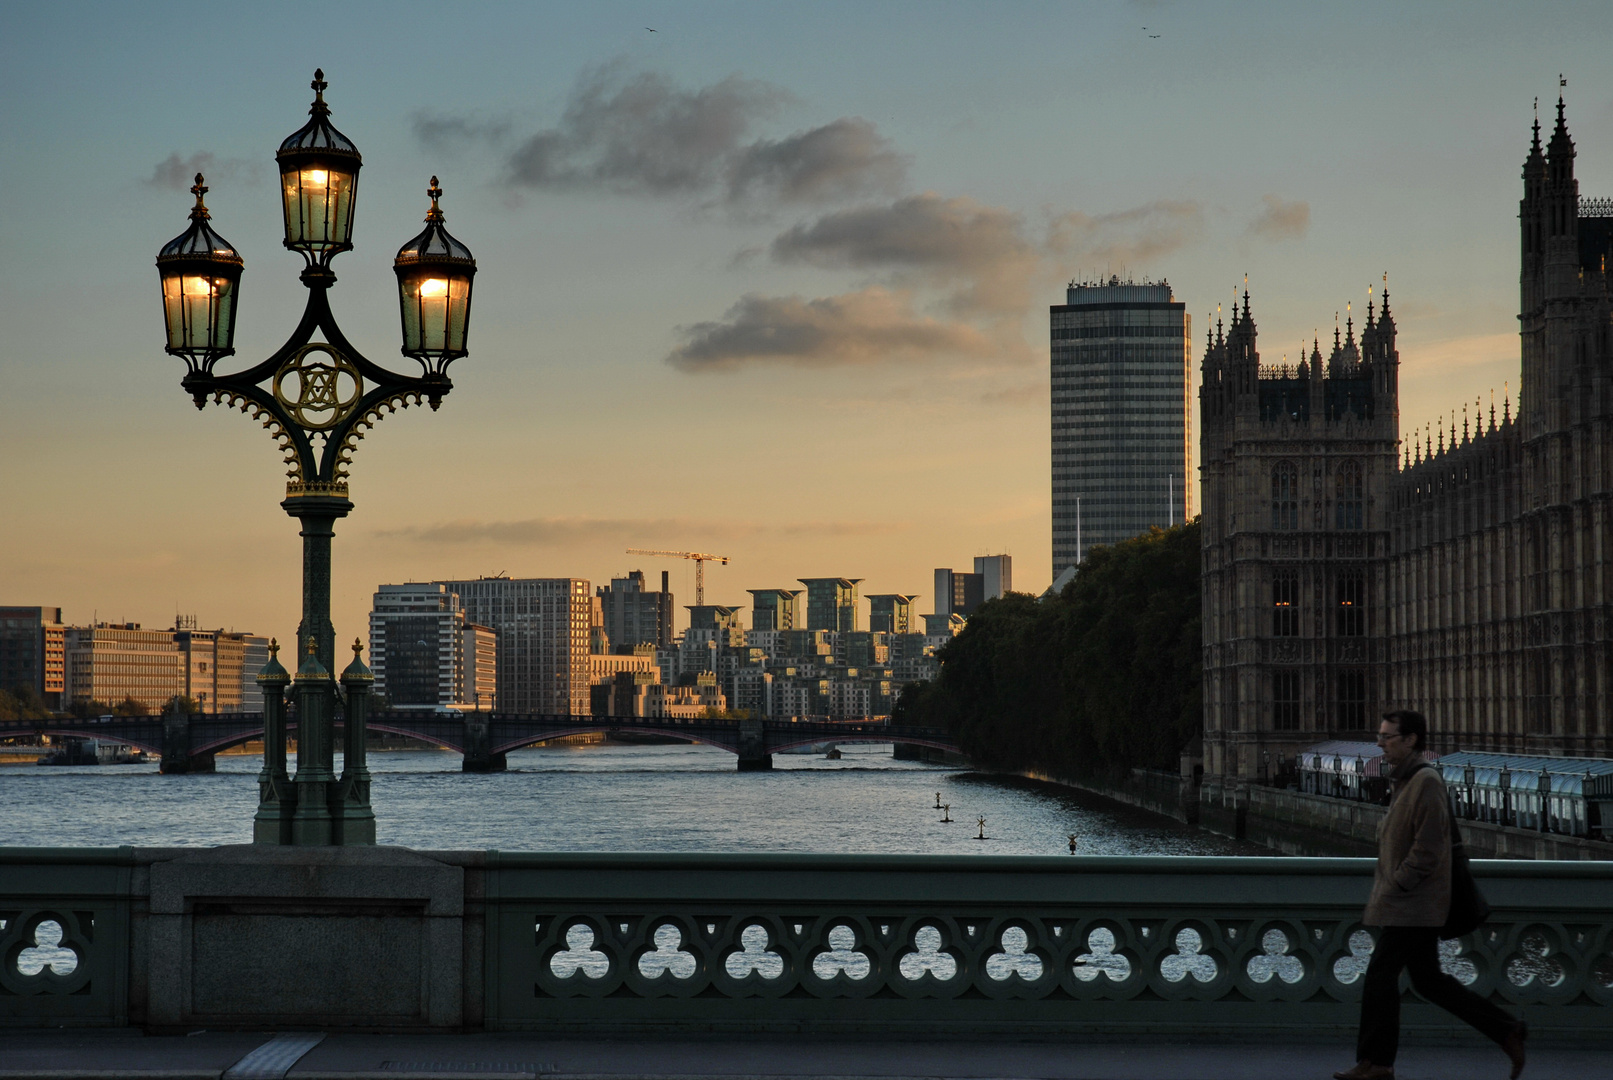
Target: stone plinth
(259, 936)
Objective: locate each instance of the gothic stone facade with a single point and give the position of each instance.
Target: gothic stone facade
(1470, 578)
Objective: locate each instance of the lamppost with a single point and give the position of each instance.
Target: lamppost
(317, 398)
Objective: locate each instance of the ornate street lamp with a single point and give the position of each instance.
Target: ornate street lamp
(317, 395)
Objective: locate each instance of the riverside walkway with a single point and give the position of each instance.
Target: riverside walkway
(94, 1055)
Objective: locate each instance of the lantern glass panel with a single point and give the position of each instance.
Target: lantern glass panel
(199, 310)
(318, 201)
(435, 305)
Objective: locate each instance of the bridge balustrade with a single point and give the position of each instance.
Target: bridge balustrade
(1184, 947)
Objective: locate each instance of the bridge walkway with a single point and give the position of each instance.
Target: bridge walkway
(97, 1054)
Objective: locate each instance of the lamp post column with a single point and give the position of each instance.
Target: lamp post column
(355, 821)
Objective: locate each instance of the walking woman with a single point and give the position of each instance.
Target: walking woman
(1411, 897)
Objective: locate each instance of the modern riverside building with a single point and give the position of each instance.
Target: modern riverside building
(774, 609)
(542, 625)
(633, 615)
(831, 603)
(891, 613)
(219, 669)
(114, 662)
(425, 654)
(32, 652)
(1121, 420)
(996, 574)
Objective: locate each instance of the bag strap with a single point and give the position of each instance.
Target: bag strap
(1450, 806)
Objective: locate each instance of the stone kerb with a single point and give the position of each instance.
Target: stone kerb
(268, 936)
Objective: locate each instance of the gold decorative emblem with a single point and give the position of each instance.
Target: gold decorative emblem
(319, 393)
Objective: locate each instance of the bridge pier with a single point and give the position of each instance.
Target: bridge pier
(479, 757)
(753, 755)
(176, 756)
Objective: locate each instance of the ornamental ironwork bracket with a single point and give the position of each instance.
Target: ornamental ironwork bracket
(317, 398)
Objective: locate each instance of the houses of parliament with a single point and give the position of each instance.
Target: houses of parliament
(1468, 575)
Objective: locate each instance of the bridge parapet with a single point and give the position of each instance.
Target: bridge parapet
(1175, 947)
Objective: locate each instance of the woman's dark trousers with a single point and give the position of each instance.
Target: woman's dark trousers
(1416, 949)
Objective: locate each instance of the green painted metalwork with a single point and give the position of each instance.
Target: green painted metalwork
(64, 937)
(1171, 946)
(1240, 948)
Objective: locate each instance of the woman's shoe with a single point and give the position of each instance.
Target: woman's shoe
(1365, 1070)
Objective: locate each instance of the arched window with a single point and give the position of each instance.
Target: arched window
(1284, 497)
(1348, 504)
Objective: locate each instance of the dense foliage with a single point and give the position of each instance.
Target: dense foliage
(1097, 680)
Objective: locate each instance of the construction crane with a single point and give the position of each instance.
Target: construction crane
(700, 560)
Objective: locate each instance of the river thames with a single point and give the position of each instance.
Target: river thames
(611, 798)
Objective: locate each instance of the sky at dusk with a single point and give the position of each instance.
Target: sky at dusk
(766, 280)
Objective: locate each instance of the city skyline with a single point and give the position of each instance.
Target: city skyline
(917, 391)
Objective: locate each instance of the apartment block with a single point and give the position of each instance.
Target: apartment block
(32, 652)
(774, 609)
(831, 603)
(542, 626)
(633, 615)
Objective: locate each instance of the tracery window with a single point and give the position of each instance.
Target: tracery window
(1352, 606)
(1284, 497)
(1285, 606)
(1348, 502)
(1351, 709)
(1285, 701)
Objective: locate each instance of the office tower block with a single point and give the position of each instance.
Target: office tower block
(891, 613)
(633, 615)
(109, 662)
(426, 654)
(1121, 438)
(957, 593)
(217, 666)
(996, 573)
(774, 609)
(32, 644)
(831, 603)
(542, 626)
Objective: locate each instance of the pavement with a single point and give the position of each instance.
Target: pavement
(126, 1053)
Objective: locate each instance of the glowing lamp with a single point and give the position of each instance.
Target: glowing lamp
(318, 183)
(434, 282)
(201, 274)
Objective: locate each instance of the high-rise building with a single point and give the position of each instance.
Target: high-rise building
(423, 651)
(891, 613)
(111, 662)
(958, 593)
(996, 574)
(635, 616)
(831, 603)
(1121, 420)
(32, 642)
(774, 609)
(543, 639)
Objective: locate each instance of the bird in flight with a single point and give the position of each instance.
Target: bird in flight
(652, 30)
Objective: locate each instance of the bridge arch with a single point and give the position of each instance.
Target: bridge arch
(905, 740)
(587, 729)
(149, 745)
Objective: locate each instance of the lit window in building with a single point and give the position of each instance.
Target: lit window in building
(1285, 606)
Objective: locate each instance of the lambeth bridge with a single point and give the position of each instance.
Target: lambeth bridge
(187, 742)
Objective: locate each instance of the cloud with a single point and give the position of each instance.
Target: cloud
(1281, 220)
(179, 173)
(842, 159)
(1127, 237)
(941, 241)
(554, 532)
(643, 134)
(866, 327)
(450, 133)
